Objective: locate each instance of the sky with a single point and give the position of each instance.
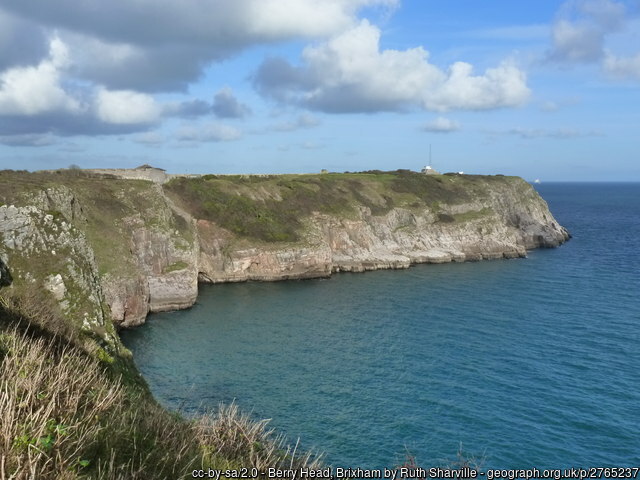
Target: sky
(545, 90)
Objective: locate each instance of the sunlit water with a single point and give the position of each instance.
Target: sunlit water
(528, 362)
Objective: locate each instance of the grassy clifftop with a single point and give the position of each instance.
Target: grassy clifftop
(103, 207)
(270, 208)
(273, 208)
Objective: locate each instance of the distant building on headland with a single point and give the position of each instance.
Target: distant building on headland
(428, 170)
(143, 172)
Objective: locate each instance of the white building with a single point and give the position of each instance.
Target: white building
(428, 170)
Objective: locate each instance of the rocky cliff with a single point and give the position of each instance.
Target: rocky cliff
(110, 250)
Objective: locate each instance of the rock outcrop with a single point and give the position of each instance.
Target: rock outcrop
(127, 247)
(47, 250)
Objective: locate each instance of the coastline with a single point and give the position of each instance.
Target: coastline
(106, 251)
(112, 250)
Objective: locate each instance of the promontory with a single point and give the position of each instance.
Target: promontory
(110, 246)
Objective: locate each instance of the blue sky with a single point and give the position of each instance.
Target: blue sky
(544, 89)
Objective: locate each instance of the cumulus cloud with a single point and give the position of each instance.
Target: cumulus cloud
(123, 66)
(578, 34)
(44, 99)
(126, 107)
(36, 89)
(226, 105)
(211, 132)
(441, 125)
(350, 73)
(153, 46)
(215, 22)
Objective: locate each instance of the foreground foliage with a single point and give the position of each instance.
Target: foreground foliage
(68, 415)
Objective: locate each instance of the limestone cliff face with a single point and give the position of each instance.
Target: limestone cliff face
(109, 253)
(47, 250)
(112, 252)
(504, 225)
(162, 273)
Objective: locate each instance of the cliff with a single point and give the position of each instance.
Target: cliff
(110, 250)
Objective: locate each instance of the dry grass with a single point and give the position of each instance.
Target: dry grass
(64, 418)
(65, 415)
(51, 403)
(230, 435)
(34, 309)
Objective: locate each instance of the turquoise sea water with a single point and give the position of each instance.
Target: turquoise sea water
(528, 363)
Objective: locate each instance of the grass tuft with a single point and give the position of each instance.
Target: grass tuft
(65, 415)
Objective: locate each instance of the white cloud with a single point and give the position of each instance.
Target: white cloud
(212, 132)
(218, 23)
(608, 14)
(502, 86)
(155, 45)
(314, 18)
(577, 42)
(350, 73)
(126, 107)
(442, 125)
(623, 67)
(581, 26)
(582, 30)
(46, 99)
(36, 89)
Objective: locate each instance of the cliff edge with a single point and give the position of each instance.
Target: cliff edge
(110, 250)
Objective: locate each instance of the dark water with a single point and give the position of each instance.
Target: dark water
(529, 362)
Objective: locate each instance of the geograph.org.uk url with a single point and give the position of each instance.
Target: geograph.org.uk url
(418, 473)
(561, 473)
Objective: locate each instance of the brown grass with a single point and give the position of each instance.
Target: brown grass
(65, 415)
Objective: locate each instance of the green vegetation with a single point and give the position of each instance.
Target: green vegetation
(108, 209)
(272, 208)
(472, 215)
(71, 412)
(269, 208)
(174, 267)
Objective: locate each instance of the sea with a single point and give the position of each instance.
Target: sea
(517, 363)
